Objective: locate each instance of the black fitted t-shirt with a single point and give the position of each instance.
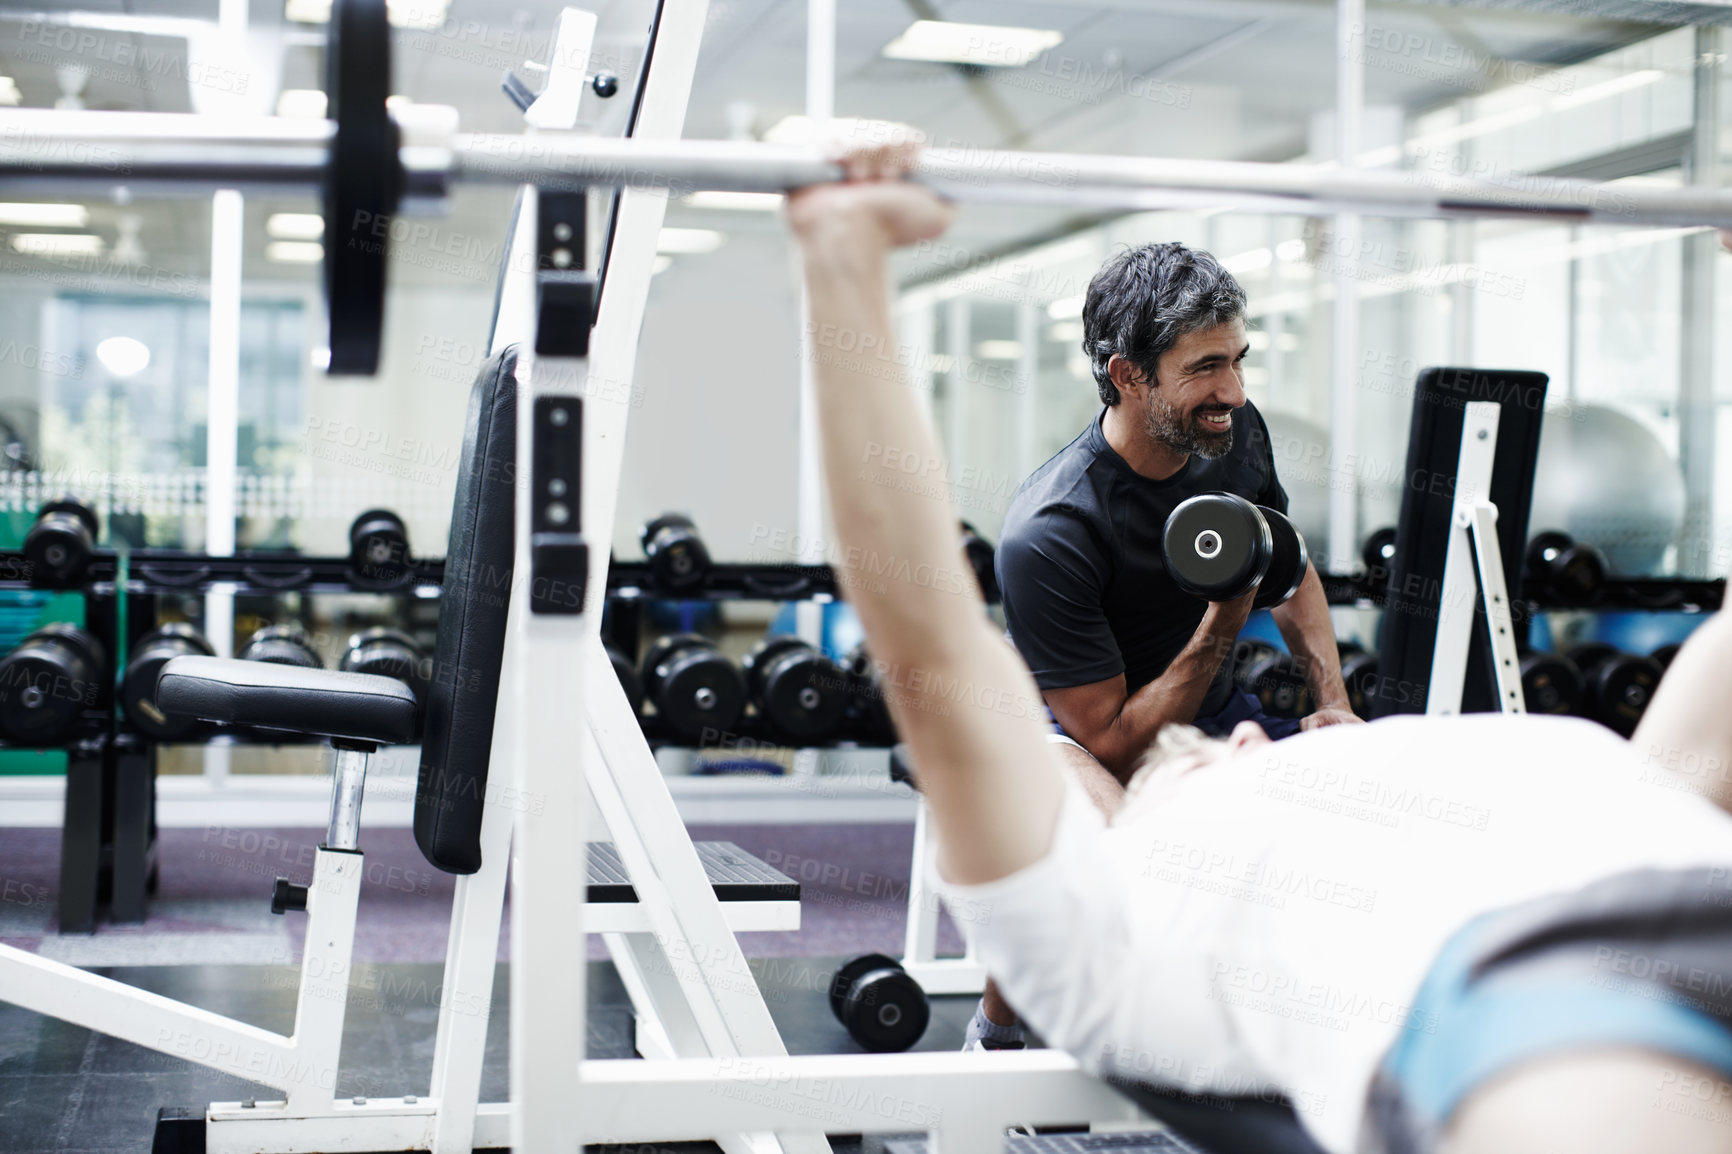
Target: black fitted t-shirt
(1086, 593)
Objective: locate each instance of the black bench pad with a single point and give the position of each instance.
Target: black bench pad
(352, 706)
(734, 874)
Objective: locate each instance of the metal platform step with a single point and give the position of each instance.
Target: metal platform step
(1109, 1142)
(735, 875)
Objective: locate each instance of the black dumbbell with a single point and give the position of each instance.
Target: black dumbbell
(1665, 654)
(282, 645)
(138, 683)
(59, 546)
(54, 675)
(1276, 682)
(1378, 551)
(628, 678)
(1618, 685)
(1551, 683)
(881, 1007)
(386, 652)
(867, 717)
(800, 693)
(693, 686)
(677, 556)
(379, 547)
(979, 552)
(1359, 673)
(1220, 546)
(1558, 565)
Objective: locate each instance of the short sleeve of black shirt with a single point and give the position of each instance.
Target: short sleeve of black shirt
(1086, 591)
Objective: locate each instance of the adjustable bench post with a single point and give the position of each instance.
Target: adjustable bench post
(348, 782)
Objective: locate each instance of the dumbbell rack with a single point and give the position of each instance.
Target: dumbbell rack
(108, 833)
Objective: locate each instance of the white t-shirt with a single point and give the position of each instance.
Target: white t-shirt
(1264, 923)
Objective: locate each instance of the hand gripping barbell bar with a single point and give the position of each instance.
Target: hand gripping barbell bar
(365, 180)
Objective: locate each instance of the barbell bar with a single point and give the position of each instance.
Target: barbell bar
(372, 162)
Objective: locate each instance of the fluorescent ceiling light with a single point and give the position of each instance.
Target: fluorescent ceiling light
(123, 356)
(418, 14)
(45, 215)
(1248, 261)
(993, 45)
(9, 94)
(57, 244)
(1614, 87)
(1290, 249)
(998, 350)
(295, 225)
(1066, 309)
(1065, 331)
(295, 251)
(301, 103)
(736, 201)
(680, 241)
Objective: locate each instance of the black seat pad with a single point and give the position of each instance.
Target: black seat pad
(352, 706)
(474, 599)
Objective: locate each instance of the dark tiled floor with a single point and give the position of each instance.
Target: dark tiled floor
(67, 1090)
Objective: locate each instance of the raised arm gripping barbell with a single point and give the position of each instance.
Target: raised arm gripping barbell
(369, 162)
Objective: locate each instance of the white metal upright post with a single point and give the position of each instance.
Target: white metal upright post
(1344, 357)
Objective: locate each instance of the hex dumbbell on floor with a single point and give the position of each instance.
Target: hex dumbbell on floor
(696, 690)
(46, 683)
(800, 693)
(882, 1008)
(138, 683)
(1219, 547)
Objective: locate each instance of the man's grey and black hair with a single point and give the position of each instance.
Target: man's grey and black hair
(1144, 299)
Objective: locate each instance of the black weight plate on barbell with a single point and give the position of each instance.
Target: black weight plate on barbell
(852, 971)
(1289, 561)
(1216, 546)
(362, 182)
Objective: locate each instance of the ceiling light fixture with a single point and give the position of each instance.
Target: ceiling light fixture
(988, 45)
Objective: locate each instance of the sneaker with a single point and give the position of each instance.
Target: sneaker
(984, 1034)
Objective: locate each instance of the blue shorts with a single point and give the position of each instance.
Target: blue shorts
(1641, 960)
(1240, 707)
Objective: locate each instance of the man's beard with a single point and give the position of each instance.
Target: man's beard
(1167, 426)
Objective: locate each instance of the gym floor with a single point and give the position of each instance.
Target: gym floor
(211, 941)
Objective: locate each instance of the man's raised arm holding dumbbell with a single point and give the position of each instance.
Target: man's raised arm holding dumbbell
(1117, 649)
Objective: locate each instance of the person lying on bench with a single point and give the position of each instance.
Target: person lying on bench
(1472, 934)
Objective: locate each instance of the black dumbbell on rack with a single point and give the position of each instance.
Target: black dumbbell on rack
(47, 683)
(379, 548)
(881, 1007)
(1359, 673)
(1552, 683)
(800, 693)
(1278, 684)
(1557, 565)
(1618, 685)
(678, 559)
(59, 546)
(282, 645)
(628, 679)
(698, 693)
(1219, 547)
(866, 718)
(386, 652)
(138, 683)
(1378, 553)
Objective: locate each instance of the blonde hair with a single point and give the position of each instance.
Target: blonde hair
(1173, 741)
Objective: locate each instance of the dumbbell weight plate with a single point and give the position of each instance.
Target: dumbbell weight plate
(1551, 684)
(658, 653)
(281, 645)
(1621, 689)
(1571, 570)
(1378, 551)
(628, 678)
(1359, 671)
(852, 971)
(379, 548)
(677, 556)
(1289, 561)
(59, 546)
(138, 683)
(51, 678)
(1665, 654)
(886, 1011)
(868, 716)
(801, 693)
(697, 691)
(1279, 686)
(1216, 546)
